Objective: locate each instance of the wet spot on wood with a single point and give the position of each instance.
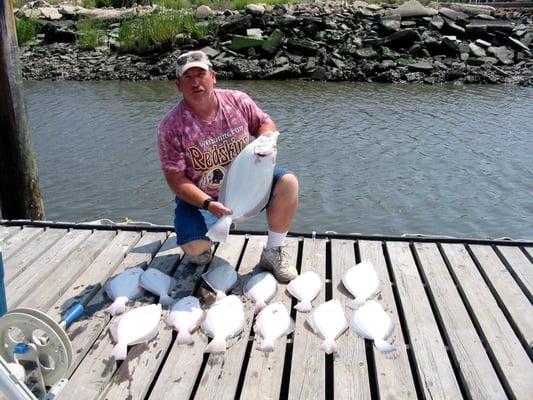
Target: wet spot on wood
(109, 366)
(78, 331)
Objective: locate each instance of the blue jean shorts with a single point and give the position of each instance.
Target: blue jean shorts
(192, 223)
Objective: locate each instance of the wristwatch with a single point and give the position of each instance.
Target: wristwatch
(207, 201)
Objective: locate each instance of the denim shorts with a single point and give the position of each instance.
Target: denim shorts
(192, 223)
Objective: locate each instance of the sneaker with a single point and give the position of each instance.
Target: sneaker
(276, 259)
(203, 258)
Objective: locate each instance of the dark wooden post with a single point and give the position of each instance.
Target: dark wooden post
(20, 195)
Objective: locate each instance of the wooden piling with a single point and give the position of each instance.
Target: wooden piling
(20, 195)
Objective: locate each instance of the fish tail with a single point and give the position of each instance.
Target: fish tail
(120, 351)
(329, 346)
(220, 295)
(165, 300)
(356, 303)
(304, 306)
(184, 337)
(217, 345)
(266, 345)
(384, 346)
(259, 306)
(220, 230)
(118, 306)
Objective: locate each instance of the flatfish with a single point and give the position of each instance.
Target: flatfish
(329, 322)
(158, 283)
(135, 326)
(185, 317)
(305, 288)
(362, 282)
(224, 320)
(272, 323)
(221, 278)
(122, 288)
(261, 288)
(372, 322)
(246, 186)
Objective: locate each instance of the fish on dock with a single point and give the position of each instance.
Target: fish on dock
(329, 322)
(123, 288)
(372, 322)
(246, 186)
(185, 317)
(221, 278)
(271, 323)
(135, 326)
(362, 282)
(261, 288)
(223, 321)
(305, 288)
(158, 283)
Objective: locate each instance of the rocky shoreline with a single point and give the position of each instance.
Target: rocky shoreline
(348, 41)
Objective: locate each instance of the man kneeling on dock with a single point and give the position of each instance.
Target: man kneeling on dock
(197, 141)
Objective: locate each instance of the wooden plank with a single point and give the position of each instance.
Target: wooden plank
(433, 366)
(350, 380)
(513, 298)
(529, 250)
(393, 374)
(14, 243)
(521, 266)
(23, 284)
(179, 373)
(265, 370)
(97, 369)
(510, 355)
(31, 252)
(476, 371)
(54, 286)
(307, 376)
(222, 372)
(7, 231)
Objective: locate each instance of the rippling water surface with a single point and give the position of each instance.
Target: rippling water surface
(374, 159)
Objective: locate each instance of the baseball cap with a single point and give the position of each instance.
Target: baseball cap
(191, 59)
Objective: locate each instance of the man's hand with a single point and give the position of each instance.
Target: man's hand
(218, 209)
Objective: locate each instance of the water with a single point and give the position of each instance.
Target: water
(374, 159)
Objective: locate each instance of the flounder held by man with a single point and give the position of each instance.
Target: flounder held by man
(246, 186)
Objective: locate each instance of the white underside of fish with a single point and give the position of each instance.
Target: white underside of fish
(221, 278)
(305, 288)
(185, 317)
(224, 320)
(122, 288)
(135, 326)
(272, 323)
(372, 322)
(158, 283)
(329, 322)
(261, 288)
(246, 186)
(362, 282)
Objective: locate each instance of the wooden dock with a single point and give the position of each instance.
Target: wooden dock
(462, 308)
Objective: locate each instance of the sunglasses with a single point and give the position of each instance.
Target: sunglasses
(190, 57)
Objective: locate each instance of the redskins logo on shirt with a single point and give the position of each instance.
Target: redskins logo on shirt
(212, 179)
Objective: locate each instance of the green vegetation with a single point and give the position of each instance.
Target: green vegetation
(159, 31)
(90, 34)
(174, 4)
(27, 29)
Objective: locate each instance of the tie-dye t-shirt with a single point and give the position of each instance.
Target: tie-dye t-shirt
(203, 149)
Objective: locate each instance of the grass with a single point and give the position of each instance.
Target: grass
(159, 31)
(174, 4)
(90, 34)
(27, 29)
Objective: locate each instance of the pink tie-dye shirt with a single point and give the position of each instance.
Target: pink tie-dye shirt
(203, 149)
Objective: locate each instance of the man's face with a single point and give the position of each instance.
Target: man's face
(196, 83)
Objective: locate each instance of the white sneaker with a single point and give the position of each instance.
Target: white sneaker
(276, 259)
(203, 258)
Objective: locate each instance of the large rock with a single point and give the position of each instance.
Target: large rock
(477, 25)
(476, 50)
(502, 53)
(453, 15)
(413, 9)
(402, 39)
(204, 12)
(472, 9)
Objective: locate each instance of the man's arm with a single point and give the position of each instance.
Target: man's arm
(186, 190)
(268, 127)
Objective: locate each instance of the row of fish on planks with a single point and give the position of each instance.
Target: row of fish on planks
(225, 319)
